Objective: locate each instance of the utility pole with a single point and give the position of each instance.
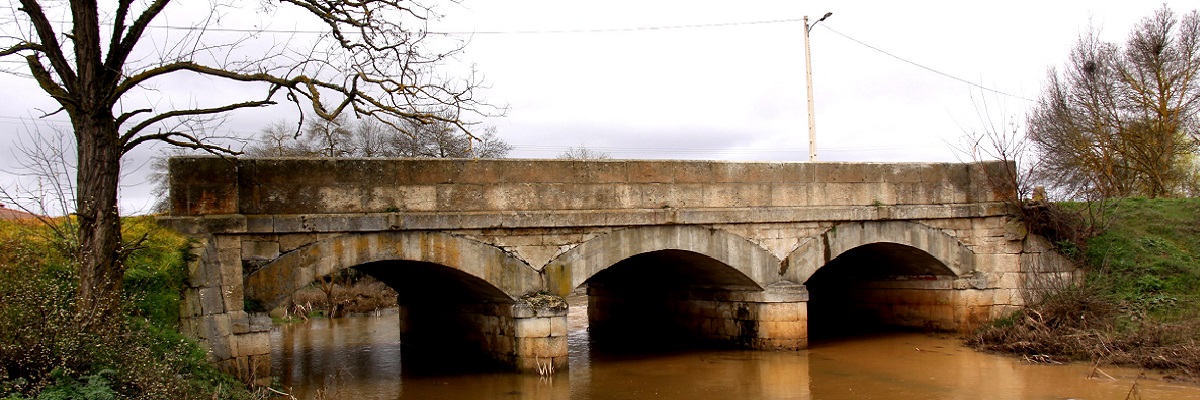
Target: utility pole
(812, 118)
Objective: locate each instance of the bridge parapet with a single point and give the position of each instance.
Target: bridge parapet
(289, 186)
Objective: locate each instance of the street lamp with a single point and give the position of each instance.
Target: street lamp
(812, 119)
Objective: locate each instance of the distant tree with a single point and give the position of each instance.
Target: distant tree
(371, 138)
(329, 137)
(277, 139)
(1123, 121)
(583, 153)
(438, 140)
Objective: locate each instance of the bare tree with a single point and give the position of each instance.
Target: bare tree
(1123, 121)
(91, 59)
(583, 153)
(329, 137)
(371, 138)
(277, 139)
(441, 140)
(489, 145)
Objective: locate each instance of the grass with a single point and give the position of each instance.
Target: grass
(1139, 304)
(1149, 257)
(43, 352)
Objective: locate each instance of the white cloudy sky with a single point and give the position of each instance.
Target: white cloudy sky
(713, 82)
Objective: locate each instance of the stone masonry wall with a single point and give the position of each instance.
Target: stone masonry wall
(209, 185)
(212, 311)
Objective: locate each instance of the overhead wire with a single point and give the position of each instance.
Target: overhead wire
(919, 65)
(619, 30)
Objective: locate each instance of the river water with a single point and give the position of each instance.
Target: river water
(359, 358)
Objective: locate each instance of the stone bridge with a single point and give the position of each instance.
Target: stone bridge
(749, 254)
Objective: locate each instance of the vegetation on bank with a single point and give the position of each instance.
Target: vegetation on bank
(351, 294)
(1139, 302)
(46, 354)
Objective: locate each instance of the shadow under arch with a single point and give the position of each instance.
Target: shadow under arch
(456, 296)
(663, 288)
(818, 251)
(727, 258)
(493, 273)
(884, 275)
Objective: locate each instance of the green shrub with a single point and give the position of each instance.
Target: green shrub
(44, 353)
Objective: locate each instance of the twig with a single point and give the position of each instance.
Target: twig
(280, 392)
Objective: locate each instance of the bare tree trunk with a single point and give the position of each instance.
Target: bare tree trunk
(100, 266)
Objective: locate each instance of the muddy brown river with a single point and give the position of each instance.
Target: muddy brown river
(359, 358)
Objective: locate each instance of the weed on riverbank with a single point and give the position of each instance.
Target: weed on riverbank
(45, 354)
(1139, 304)
(363, 295)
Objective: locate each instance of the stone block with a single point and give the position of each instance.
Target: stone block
(230, 267)
(211, 300)
(1010, 280)
(559, 326)
(232, 297)
(541, 346)
(533, 327)
(190, 306)
(260, 250)
(217, 333)
(190, 327)
(253, 344)
(228, 242)
(782, 312)
(782, 330)
(239, 322)
(260, 322)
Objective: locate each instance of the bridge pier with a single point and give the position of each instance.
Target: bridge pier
(213, 311)
(529, 338)
(771, 319)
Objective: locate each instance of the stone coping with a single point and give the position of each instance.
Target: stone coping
(375, 222)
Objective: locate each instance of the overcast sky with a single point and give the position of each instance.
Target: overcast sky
(893, 81)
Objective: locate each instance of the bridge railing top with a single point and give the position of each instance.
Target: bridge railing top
(257, 186)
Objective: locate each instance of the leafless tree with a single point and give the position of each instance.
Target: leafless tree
(277, 139)
(329, 137)
(370, 138)
(1121, 121)
(583, 153)
(98, 62)
(441, 140)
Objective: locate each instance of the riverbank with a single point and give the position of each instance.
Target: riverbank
(362, 295)
(45, 354)
(1138, 305)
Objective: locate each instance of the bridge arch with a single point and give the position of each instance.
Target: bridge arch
(749, 262)
(897, 237)
(491, 271)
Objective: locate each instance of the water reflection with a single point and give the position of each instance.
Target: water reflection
(359, 357)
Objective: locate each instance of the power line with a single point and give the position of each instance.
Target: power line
(826, 26)
(496, 32)
(598, 30)
(710, 150)
(626, 29)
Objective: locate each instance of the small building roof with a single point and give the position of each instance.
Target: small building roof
(11, 214)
